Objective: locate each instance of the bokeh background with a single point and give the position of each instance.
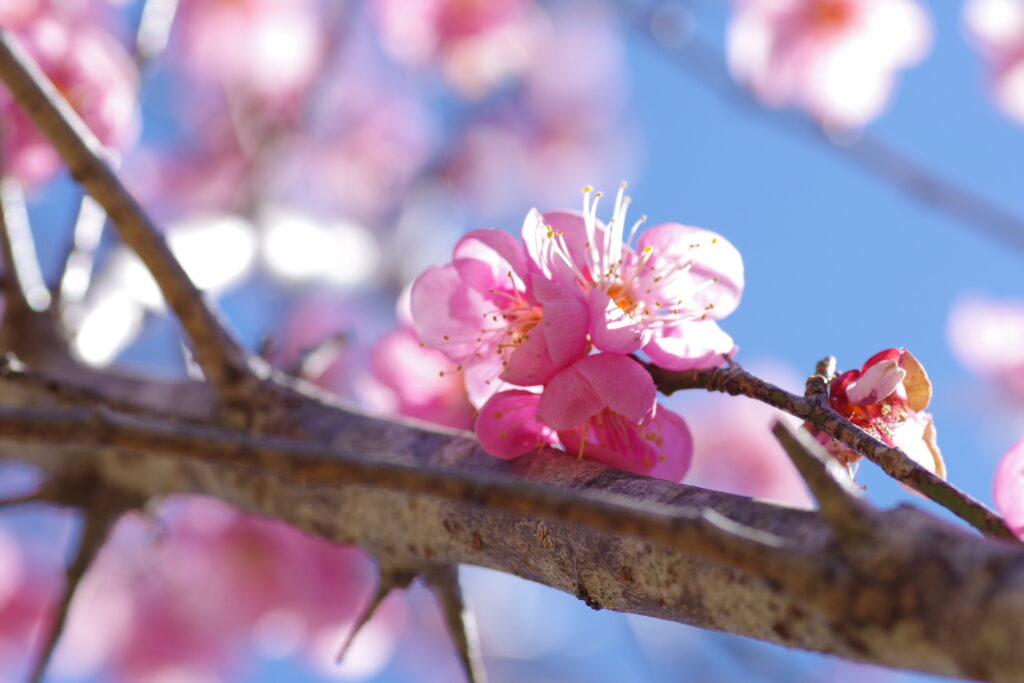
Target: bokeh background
(308, 159)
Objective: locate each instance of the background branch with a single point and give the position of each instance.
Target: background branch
(705, 64)
(224, 362)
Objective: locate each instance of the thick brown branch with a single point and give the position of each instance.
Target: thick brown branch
(224, 362)
(737, 381)
(905, 597)
(694, 530)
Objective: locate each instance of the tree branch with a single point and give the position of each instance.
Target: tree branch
(224, 362)
(904, 597)
(736, 381)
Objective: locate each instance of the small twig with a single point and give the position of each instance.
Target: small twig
(443, 580)
(894, 462)
(841, 508)
(683, 528)
(390, 580)
(24, 289)
(73, 279)
(224, 361)
(96, 527)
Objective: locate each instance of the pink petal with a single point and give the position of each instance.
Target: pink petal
(716, 257)
(621, 382)
(568, 400)
(875, 383)
(675, 450)
(483, 380)
(565, 320)
(446, 313)
(611, 328)
(1009, 488)
(530, 363)
(590, 385)
(691, 346)
(545, 254)
(661, 447)
(485, 257)
(507, 426)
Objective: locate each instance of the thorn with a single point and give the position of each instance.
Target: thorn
(390, 579)
(837, 495)
(443, 581)
(96, 528)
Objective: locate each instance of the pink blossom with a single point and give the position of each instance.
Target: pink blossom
(887, 398)
(1009, 488)
(662, 296)
(265, 48)
(985, 335)
(837, 59)
(571, 123)
(602, 407)
(87, 65)
(478, 43)
(489, 304)
(25, 597)
(418, 382)
(997, 30)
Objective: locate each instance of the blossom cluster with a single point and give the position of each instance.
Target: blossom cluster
(542, 330)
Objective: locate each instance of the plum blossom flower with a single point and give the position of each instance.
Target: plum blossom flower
(985, 335)
(996, 27)
(887, 399)
(662, 296)
(1009, 488)
(87, 66)
(602, 407)
(837, 59)
(487, 307)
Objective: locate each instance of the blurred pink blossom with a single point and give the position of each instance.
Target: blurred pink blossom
(268, 49)
(217, 581)
(1009, 488)
(837, 59)
(478, 43)
(569, 124)
(418, 382)
(736, 452)
(26, 594)
(987, 336)
(996, 27)
(87, 66)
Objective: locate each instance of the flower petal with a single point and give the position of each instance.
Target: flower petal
(674, 448)
(622, 384)
(611, 328)
(507, 426)
(530, 363)
(446, 313)
(485, 257)
(565, 320)
(1009, 488)
(712, 256)
(875, 383)
(691, 346)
